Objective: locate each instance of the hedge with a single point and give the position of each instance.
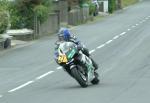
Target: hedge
(111, 6)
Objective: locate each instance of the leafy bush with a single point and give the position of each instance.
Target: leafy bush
(16, 18)
(22, 15)
(41, 12)
(24, 11)
(3, 21)
(111, 5)
(92, 8)
(4, 18)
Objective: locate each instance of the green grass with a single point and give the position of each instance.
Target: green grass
(128, 2)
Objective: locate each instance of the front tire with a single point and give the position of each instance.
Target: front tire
(80, 77)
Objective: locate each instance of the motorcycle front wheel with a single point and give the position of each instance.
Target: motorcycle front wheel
(80, 77)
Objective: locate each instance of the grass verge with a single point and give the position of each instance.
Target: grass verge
(128, 2)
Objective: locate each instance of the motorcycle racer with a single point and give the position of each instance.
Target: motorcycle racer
(65, 35)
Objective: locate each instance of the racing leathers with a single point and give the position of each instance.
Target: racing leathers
(81, 47)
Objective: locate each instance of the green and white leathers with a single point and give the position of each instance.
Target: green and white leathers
(89, 66)
(79, 66)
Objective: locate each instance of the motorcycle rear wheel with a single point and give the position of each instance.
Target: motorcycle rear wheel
(96, 79)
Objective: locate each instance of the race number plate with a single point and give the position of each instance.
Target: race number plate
(62, 59)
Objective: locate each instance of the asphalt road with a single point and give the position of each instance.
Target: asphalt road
(120, 44)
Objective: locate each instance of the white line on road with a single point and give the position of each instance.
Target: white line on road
(133, 26)
(1, 96)
(122, 33)
(100, 46)
(109, 41)
(20, 86)
(44, 75)
(92, 51)
(116, 37)
(59, 68)
(141, 22)
(146, 18)
(129, 29)
(136, 24)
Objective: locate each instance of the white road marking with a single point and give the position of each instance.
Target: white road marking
(116, 37)
(129, 29)
(133, 26)
(141, 22)
(109, 41)
(100, 46)
(59, 68)
(1, 96)
(136, 24)
(122, 33)
(44, 75)
(146, 18)
(21, 86)
(92, 51)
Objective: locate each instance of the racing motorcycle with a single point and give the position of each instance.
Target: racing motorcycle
(68, 57)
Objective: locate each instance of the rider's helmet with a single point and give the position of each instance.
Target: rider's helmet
(64, 34)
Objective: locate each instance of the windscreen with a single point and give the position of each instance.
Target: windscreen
(66, 47)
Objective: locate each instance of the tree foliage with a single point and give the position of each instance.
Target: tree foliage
(4, 18)
(24, 11)
(3, 21)
(111, 5)
(41, 12)
(92, 8)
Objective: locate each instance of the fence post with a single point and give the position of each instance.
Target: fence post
(36, 27)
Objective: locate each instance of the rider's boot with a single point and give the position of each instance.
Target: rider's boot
(86, 52)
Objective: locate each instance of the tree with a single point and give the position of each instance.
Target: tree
(23, 12)
(111, 5)
(4, 17)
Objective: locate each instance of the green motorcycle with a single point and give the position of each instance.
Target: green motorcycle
(70, 58)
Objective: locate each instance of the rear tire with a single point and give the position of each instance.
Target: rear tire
(96, 79)
(83, 81)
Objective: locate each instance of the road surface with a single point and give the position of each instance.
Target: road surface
(120, 44)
